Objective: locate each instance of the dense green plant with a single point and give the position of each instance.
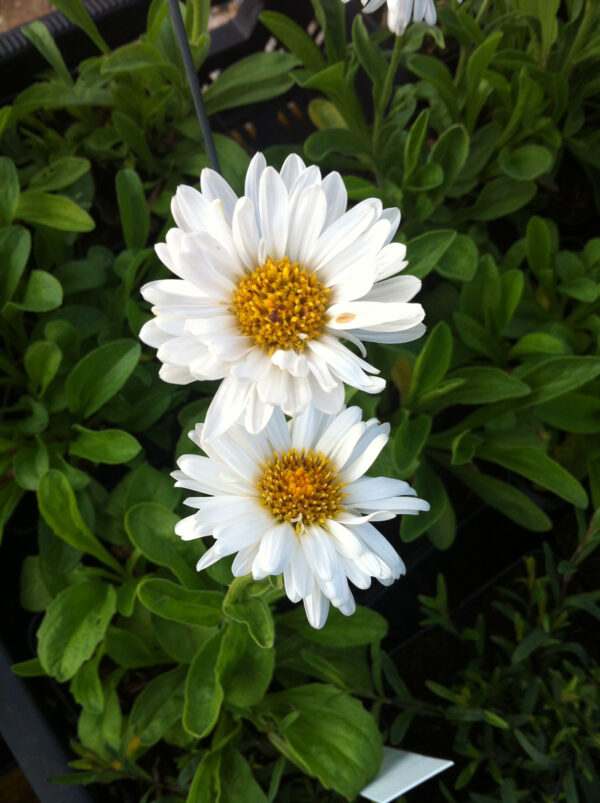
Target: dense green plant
(526, 705)
(213, 679)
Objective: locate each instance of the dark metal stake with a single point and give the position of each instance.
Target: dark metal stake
(186, 54)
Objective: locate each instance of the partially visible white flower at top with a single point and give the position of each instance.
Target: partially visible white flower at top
(293, 499)
(269, 284)
(399, 12)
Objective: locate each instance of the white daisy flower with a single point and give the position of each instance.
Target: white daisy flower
(293, 499)
(399, 12)
(269, 284)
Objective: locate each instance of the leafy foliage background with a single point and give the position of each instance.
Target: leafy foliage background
(485, 133)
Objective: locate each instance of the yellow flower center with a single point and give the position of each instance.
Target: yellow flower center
(301, 487)
(280, 305)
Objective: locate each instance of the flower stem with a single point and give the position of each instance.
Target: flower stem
(386, 91)
(186, 55)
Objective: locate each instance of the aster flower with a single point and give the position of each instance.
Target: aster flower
(269, 284)
(293, 499)
(399, 12)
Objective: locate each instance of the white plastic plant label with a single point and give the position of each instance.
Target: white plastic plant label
(401, 771)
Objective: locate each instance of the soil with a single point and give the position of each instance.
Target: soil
(18, 12)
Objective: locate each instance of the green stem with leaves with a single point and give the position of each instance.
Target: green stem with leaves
(386, 92)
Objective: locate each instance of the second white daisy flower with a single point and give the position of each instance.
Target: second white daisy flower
(269, 284)
(293, 499)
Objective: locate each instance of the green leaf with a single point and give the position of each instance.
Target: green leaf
(537, 343)
(54, 211)
(526, 163)
(133, 136)
(363, 627)
(414, 143)
(29, 669)
(581, 289)
(334, 140)
(99, 375)
(15, 245)
(432, 363)
(435, 72)
(573, 412)
(42, 293)
(425, 251)
(108, 446)
(499, 198)
(257, 77)
(9, 197)
(75, 622)
(558, 375)
(133, 208)
(244, 669)
(534, 464)
(332, 737)
(58, 507)
(450, 152)
(464, 447)
(237, 781)
(86, 687)
(172, 601)
(369, 54)
(41, 38)
(241, 607)
(151, 528)
(505, 498)
(530, 643)
(408, 442)
(331, 18)
(158, 706)
(42, 361)
(101, 732)
(129, 650)
(428, 486)
(76, 12)
(34, 596)
(60, 174)
(135, 56)
(29, 464)
(459, 261)
(539, 245)
(203, 691)
(482, 385)
(292, 36)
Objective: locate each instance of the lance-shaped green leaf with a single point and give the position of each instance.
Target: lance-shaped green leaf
(203, 690)
(9, 197)
(15, 245)
(241, 607)
(76, 620)
(158, 706)
(133, 208)
(172, 601)
(363, 627)
(151, 528)
(537, 467)
(331, 737)
(58, 506)
(432, 363)
(110, 446)
(55, 211)
(99, 375)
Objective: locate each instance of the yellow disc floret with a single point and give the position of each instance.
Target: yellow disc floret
(301, 487)
(280, 305)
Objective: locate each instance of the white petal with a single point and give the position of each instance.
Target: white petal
(215, 188)
(319, 552)
(277, 432)
(329, 403)
(337, 429)
(366, 459)
(345, 230)
(175, 374)
(257, 166)
(403, 336)
(306, 223)
(273, 212)
(396, 504)
(363, 314)
(390, 260)
(258, 413)
(242, 563)
(316, 606)
(276, 548)
(245, 232)
(226, 406)
(191, 528)
(337, 197)
(397, 289)
(370, 488)
(292, 167)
